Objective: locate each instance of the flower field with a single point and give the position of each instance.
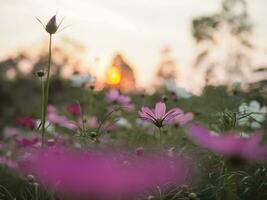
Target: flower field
(78, 137)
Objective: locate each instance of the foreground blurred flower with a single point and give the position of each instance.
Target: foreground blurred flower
(97, 175)
(27, 122)
(158, 116)
(73, 109)
(251, 114)
(232, 145)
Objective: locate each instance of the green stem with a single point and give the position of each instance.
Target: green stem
(219, 195)
(160, 136)
(43, 108)
(46, 90)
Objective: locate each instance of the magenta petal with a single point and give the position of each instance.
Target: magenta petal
(97, 175)
(160, 110)
(147, 113)
(231, 145)
(174, 112)
(112, 95)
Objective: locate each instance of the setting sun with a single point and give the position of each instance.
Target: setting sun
(114, 75)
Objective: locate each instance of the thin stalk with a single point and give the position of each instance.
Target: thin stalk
(219, 195)
(46, 90)
(42, 104)
(160, 137)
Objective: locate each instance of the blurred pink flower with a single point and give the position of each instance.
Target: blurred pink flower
(73, 109)
(183, 118)
(106, 126)
(158, 116)
(113, 96)
(26, 142)
(97, 175)
(54, 118)
(129, 107)
(10, 132)
(8, 162)
(231, 145)
(93, 122)
(27, 122)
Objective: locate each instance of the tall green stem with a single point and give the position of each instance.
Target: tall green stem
(45, 91)
(160, 137)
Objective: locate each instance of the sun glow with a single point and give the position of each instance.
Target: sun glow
(114, 75)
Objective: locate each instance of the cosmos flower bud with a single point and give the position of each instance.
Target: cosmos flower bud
(140, 151)
(40, 73)
(92, 87)
(165, 98)
(192, 195)
(51, 27)
(30, 178)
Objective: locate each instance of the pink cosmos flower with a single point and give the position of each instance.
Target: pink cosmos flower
(10, 132)
(27, 122)
(183, 118)
(73, 109)
(230, 145)
(54, 118)
(106, 126)
(26, 142)
(102, 175)
(8, 162)
(113, 96)
(158, 116)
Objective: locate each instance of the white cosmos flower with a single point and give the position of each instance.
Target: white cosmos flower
(79, 80)
(122, 122)
(50, 128)
(256, 114)
(170, 85)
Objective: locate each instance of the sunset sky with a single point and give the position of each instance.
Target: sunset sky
(137, 28)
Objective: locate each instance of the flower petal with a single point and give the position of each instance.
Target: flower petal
(160, 110)
(172, 113)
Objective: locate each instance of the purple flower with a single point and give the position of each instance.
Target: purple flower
(26, 142)
(27, 122)
(158, 116)
(8, 162)
(10, 132)
(106, 126)
(73, 109)
(54, 118)
(113, 96)
(183, 118)
(230, 145)
(104, 175)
